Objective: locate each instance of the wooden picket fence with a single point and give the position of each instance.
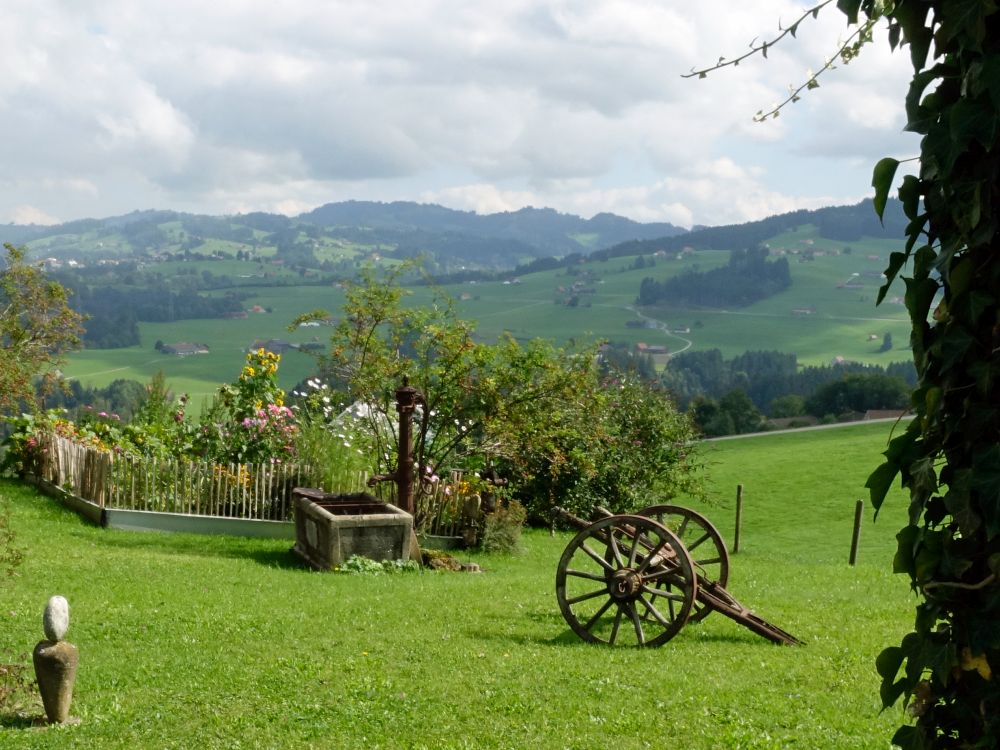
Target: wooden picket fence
(254, 491)
(444, 509)
(122, 482)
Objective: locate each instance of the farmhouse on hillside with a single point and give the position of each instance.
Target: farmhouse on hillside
(184, 349)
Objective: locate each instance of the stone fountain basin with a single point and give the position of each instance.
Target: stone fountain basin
(330, 528)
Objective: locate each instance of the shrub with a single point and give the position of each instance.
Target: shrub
(502, 528)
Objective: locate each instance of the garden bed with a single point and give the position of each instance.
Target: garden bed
(145, 520)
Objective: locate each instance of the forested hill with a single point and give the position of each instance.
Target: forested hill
(845, 223)
(448, 239)
(545, 229)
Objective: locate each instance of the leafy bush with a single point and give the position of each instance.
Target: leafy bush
(502, 529)
(621, 447)
(248, 421)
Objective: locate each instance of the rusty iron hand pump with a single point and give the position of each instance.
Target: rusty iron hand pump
(407, 398)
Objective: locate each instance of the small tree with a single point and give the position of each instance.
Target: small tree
(537, 410)
(37, 327)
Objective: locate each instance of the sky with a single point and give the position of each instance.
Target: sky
(111, 106)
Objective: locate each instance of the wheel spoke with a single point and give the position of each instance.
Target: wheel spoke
(665, 593)
(613, 546)
(660, 574)
(585, 574)
(597, 615)
(652, 554)
(597, 558)
(704, 537)
(708, 561)
(636, 623)
(635, 547)
(683, 528)
(615, 625)
(585, 597)
(656, 614)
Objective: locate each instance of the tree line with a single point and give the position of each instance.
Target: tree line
(748, 277)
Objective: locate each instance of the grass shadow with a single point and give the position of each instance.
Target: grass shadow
(284, 559)
(273, 553)
(22, 721)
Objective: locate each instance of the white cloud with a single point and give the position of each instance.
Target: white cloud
(31, 215)
(255, 105)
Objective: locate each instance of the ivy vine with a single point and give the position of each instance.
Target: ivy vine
(948, 457)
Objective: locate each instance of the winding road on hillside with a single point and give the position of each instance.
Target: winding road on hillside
(662, 327)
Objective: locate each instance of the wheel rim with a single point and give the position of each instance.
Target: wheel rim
(626, 580)
(703, 543)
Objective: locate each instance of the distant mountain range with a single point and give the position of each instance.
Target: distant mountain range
(449, 238)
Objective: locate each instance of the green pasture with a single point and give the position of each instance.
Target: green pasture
(819, 318)
(216, 642)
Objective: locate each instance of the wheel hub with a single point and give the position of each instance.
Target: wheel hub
(625, 584)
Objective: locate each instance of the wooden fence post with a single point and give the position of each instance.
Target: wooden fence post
(859, 508)
(739, 518)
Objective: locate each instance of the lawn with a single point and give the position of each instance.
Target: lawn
(227, 643)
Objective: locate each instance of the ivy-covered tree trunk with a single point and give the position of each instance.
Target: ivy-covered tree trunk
(949, 456)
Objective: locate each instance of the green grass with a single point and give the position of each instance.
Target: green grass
(225, 643)
(842, 324)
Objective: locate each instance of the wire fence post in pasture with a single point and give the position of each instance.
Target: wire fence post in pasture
(859, 508)
(739, 518)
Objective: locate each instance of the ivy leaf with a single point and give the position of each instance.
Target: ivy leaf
(985, 481)
(887, 664)
(909, 194)
(882, 177)
(974, 120)
(918, 116)
(912, 18)
(955, 345)
(896, 261)
(927, 559)
(964, 17)
(918, 298)
(848, 7)
(904, 559)
(880, 482)
(908, 738)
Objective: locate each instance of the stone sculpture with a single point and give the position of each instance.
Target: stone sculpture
(55, 662)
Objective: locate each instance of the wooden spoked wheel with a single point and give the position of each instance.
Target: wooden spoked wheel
(703, 542)
(626, 580)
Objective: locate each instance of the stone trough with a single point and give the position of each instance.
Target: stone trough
(330, 528)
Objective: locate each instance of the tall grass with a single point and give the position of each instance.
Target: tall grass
(226, 643)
